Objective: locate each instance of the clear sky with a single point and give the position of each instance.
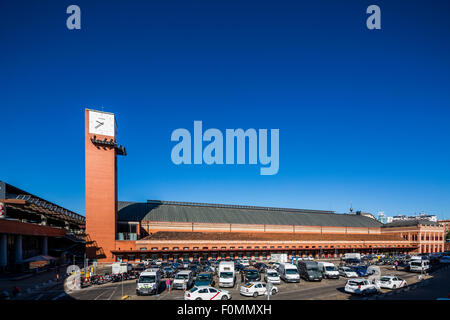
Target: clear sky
(363, 115)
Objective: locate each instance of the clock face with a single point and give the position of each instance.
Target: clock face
(101, 123)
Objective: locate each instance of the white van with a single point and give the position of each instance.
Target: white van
(419, 265)
(227, 276)
(183, 280)
(149, 282)
(328, 270)
(288, 272)
(120, 267)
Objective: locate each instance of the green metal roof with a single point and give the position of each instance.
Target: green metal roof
(213, 213)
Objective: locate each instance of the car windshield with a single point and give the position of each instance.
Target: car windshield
(272, 274)
(291, 271)
(312, 268)
(147, 279)
(226, 274)
(203, 277)
(193, 289)
(347, 269)
(181, 276)
(416, 263)
(252, 272)
(385, 279)
(330, 268)
(354, 283)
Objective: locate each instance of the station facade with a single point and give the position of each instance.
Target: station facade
(128, 231)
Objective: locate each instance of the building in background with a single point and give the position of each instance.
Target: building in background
(134, 231)
(382, 217)
(422, 216)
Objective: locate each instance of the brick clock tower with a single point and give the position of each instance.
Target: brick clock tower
(101, 152)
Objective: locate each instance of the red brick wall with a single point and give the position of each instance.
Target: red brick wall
(101, 194)
(23, 228)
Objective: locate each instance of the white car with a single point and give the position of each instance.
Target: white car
(390, 282)
(254, 289)
(206, 293)
(347, 272)
(360, 286)
(272, 276)
(245, 262)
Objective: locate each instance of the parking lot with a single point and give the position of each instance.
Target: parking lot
(327, 289)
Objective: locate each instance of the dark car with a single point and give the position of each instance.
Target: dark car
(168, 272)
(250, 274)
(309, 270)
(207, 268)
(261, 266)
(139, 268)
(360, 270)
(195, 269)
(238, 267)
(204, 279)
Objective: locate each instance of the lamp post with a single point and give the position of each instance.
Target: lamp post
(269, 290)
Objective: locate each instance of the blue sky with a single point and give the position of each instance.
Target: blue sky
(363, 115)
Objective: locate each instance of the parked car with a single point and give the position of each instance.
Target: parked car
(238, 267)
(254, 289)
(419, 265)
(250, 274)
(288, 272)
(360, 270)
(168, 272)
(204, 279)
(261, 266)
(309, 270)
(195, 269)
(328, 270)
(272, 276)
(181, 278)
(206, 293)
(347, 272)
(390, 282)
(360, 286)
(245, 263)
(444, 259)
(139, 267)
(149, 282)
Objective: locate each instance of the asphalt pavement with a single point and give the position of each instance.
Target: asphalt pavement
(327, 289)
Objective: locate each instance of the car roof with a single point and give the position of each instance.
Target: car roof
(184, 272)
(250, 283)
(357, 280)
(271, 270)
(205, 286)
